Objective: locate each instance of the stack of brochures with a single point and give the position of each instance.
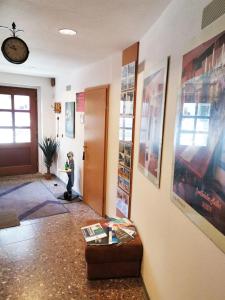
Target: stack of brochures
(112, 231)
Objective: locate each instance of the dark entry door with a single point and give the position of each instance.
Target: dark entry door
(18, 131)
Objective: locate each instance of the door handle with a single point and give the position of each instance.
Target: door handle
(85, 147)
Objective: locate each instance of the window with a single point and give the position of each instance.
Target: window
(15, 120)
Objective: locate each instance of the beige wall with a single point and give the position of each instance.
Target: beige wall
(180, 262)
(93, 75)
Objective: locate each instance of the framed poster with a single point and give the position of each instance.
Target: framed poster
(152, 118)
(199, 159)
(70, 119)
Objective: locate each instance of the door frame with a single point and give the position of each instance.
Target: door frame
(33, 93)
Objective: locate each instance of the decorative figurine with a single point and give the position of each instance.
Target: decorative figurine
(69, 168)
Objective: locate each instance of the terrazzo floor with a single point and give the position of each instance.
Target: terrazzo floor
(44, 259)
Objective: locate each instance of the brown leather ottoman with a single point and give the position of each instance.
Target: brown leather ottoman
(113, 261)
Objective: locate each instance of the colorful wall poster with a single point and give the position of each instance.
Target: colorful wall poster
(80, 102)
(199, 163)
(152, 117)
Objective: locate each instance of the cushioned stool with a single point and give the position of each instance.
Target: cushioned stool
(113, 261)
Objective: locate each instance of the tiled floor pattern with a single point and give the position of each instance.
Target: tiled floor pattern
(44, 259)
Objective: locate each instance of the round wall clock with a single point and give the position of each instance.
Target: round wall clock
(15, 50)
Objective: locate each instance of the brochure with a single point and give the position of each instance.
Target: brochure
(119, 221)
(93, 232)
(108, 240)
(123, 236)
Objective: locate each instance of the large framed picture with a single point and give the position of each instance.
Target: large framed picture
(199, 162)
(152, 118)
(70, 119)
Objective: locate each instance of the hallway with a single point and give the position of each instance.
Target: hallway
(44, 259)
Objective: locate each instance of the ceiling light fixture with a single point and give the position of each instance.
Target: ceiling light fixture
(66, 31)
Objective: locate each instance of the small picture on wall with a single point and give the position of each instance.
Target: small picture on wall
(121, 153)
(129, 103)
(131, 76)
(128, 122)
(127, 161)
(124, 184)
(128, 107)
(120, 182)
(124, 71)
(122, 202)
(123, 96)
(122, 107)
(70, 119)
(124, 172)
(131, 69)
(127, 149)
(131, 82)
(130, 96)
(128, 135)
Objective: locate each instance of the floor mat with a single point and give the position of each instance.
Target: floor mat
(8, 219)
(30, 200)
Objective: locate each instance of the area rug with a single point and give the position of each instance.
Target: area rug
(30, 200)
(8, 219)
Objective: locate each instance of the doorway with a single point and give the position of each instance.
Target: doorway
(18, 131)
(95, 146)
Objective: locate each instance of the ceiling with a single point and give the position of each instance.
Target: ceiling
(103, 27)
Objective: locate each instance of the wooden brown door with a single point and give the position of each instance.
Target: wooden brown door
(95, 146)
(18, 131)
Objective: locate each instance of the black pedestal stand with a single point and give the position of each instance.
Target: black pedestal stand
(65, 196)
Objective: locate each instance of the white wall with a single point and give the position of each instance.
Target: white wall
(180, 262)
(45, 97)
(93, 75)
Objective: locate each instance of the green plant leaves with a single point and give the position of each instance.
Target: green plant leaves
(49, 147)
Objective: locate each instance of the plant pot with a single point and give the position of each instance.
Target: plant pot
(48, 176)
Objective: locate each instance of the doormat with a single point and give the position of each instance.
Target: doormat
(8, 219)
(30, 200)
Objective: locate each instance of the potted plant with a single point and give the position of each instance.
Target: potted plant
(49, 147)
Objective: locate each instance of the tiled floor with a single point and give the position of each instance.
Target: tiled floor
(44, 259)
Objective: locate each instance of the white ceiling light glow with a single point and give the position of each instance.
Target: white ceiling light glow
(66, 31)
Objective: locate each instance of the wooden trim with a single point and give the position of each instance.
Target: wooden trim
(130, 54)
(133, 139)
(17, 90)
(106, 149)
(105, 86)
